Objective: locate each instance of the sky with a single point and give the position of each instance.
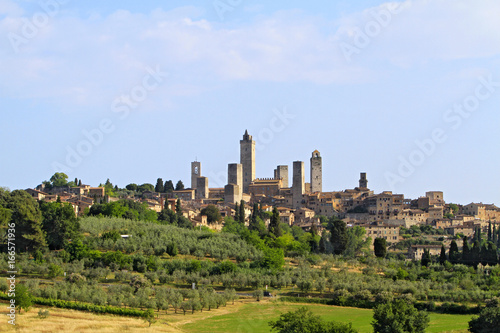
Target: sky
(406, 91)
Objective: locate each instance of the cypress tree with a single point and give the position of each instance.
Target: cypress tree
(426, 258)
(489, 231)
(338, 231)
(178, 208)
(253, 218)
(442, 256)
(494, 234)
(236, 212)
(453, 255)
(466, 252)
(274, 224)
(159, 188)
(242, 211)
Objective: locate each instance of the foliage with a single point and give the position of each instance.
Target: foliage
(356, 242)
(179, 186)
(303, 320)
(24, 211)
(59, 223)
(43, 314)
(380, 247)
(23, 297)
(124, 208)
(398, 317)
(275, 224)
(488, 321)
(212, 213)
(338, 232)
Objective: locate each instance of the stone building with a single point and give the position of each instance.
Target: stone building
(247, 159)
(265, 186)
(202, 191)
(316, 172)
(195, 173)
(281, 172)
(298, 186)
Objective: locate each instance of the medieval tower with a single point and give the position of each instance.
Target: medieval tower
(235, 176)
(247, 159)
(281, 172)
(298, 186)
(316, 172)
(195, 173)
(363, 182)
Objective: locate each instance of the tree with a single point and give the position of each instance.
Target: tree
(159, 186)
(488, 321)
(168, 187)
(59, 179)
(356, 241)
(489, 231)
(131, 187)
(178, 208)
(149, 316)
(23, 297)
(212, 213)
(426, 258)
(454, 254)
(399, 316)
(303, 320)
(275, 224)
(442, 256)
(236, 212)
(179, 186)
(242, 212)
(338, 235)
(145, 187)
(273, 258)
(380, 247)
(59, 223)
(25, 213)
(466, 252)
(256, 223)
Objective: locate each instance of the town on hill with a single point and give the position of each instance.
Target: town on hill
(299, 203)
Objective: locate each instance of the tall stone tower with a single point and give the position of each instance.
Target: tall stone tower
(195, 173)
(316, 172)
(281, 171)
(298, 187)
(363, 182)
(235, 176)
(201, 188)
(247, 159)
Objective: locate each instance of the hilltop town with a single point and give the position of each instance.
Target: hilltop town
(299, 203)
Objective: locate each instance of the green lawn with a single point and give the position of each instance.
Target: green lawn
(253, 317)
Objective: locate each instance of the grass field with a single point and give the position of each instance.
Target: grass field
(254, 317)
(246, 316)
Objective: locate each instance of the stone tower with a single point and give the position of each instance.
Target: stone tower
(201, 188)
(235, 176)
(247, 159)
(232, 193)
(363, 182)
(281, 171)
(298, 187)
(316, 172)
(195, 173)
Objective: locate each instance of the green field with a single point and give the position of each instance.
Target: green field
(253, 317)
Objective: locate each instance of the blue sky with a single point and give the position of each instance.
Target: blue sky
(406, 91)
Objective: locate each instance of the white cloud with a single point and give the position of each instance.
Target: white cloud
(90, 59)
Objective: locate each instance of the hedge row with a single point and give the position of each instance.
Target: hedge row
(99, 309)
(448, 308)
